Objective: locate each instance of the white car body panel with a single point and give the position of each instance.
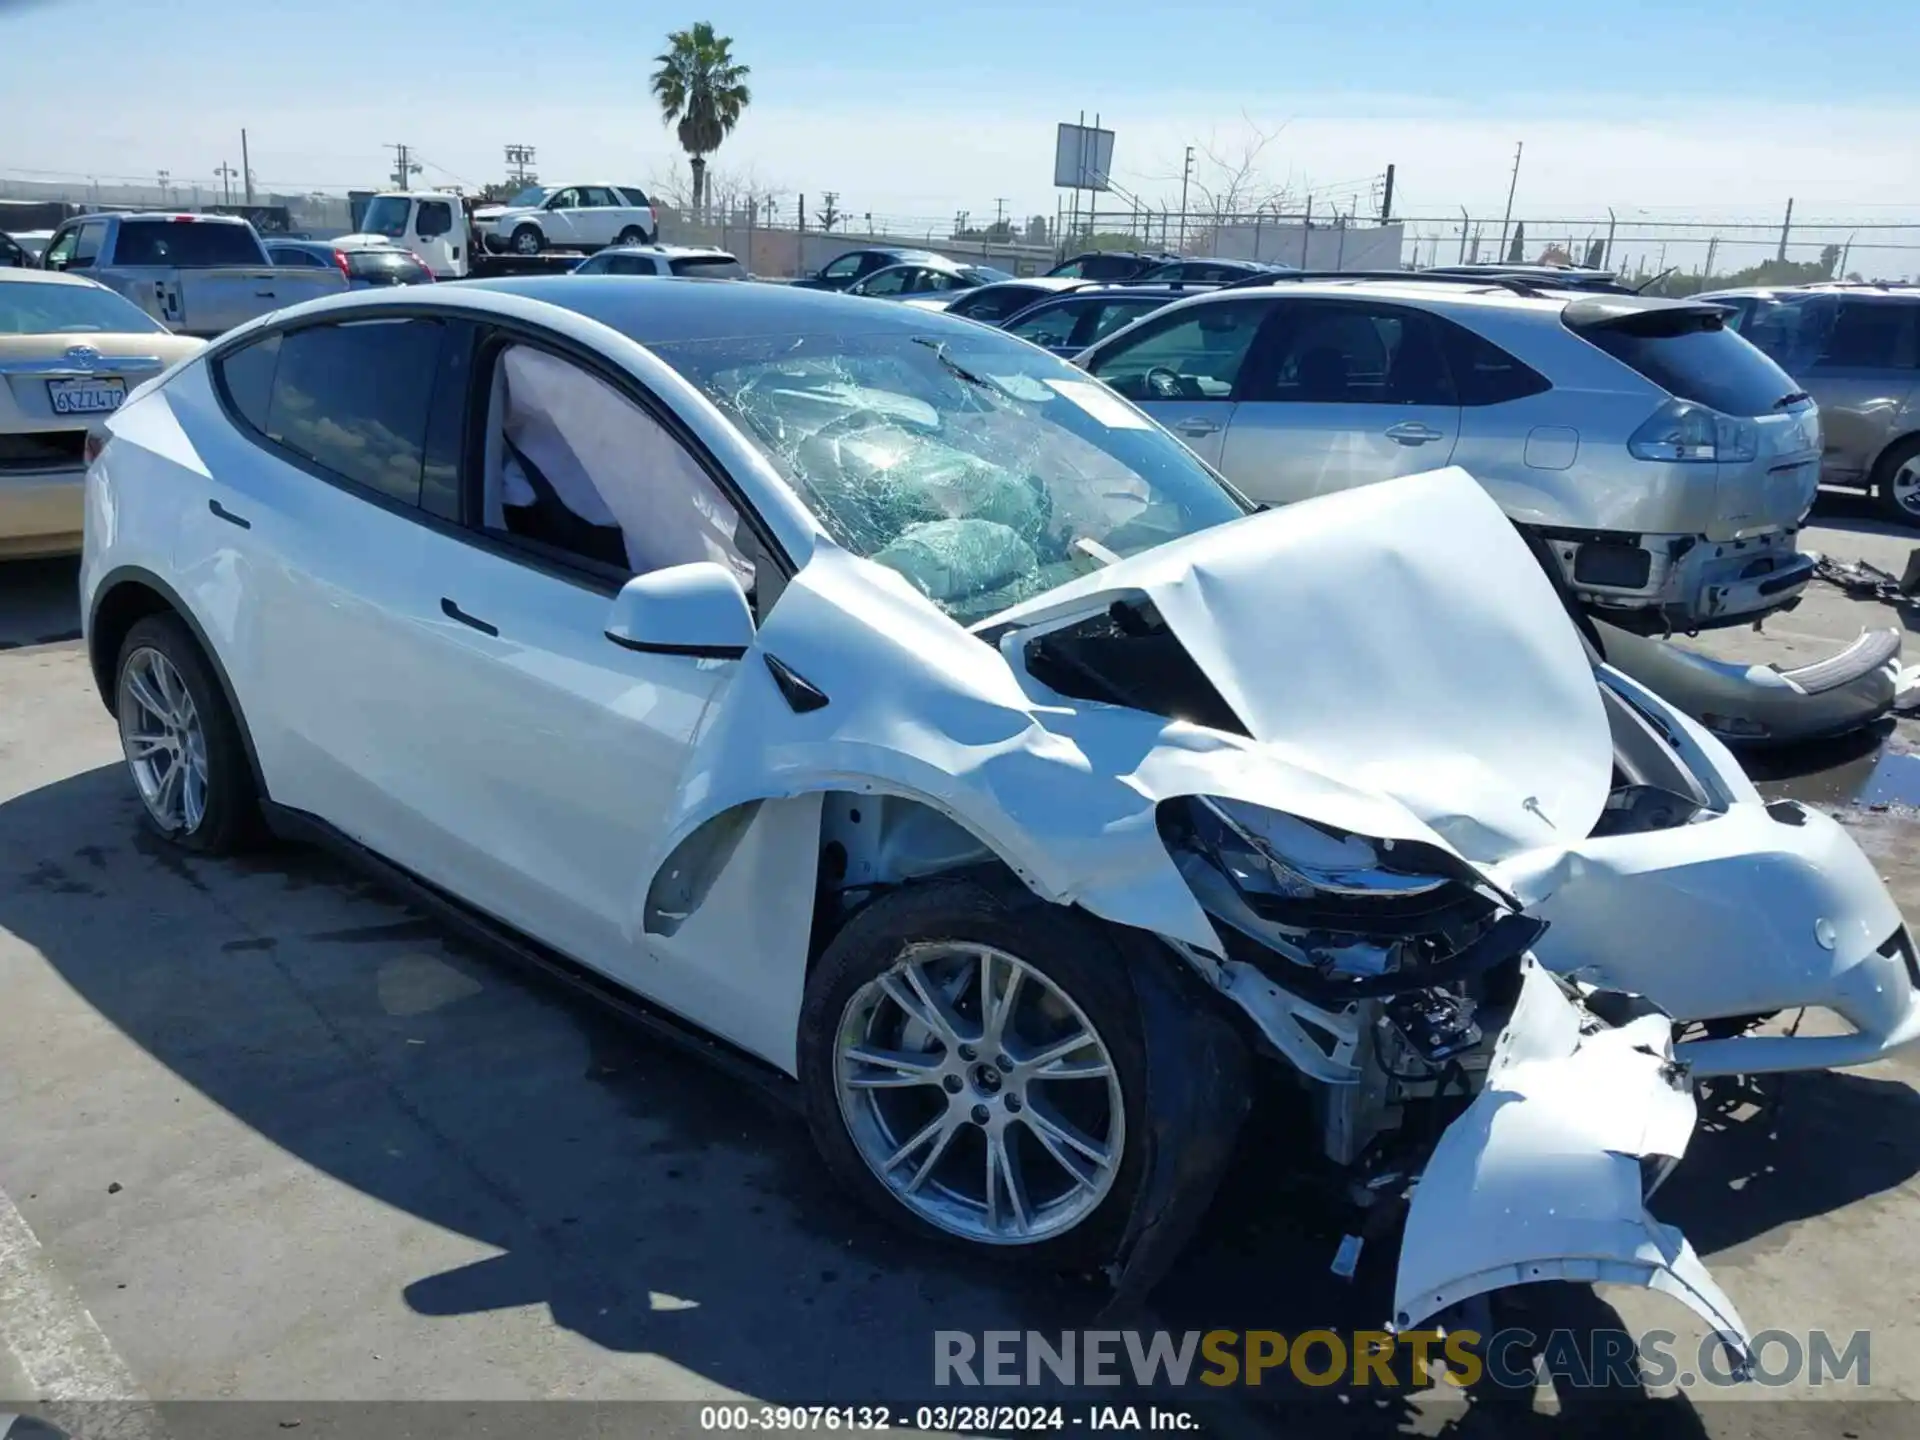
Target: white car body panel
(1537, 1182)
(1405, 669)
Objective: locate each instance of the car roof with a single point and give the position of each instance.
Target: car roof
(675, 252)
(684, 308)
(199, 218)
(15, 274)
(1124, 291)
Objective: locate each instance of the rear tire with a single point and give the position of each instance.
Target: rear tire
(1068, 1148)
(181, 742)
(632, 235)
(528, 240)
(1896, 482)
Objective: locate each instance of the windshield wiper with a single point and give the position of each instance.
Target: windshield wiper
(939, 348)
(1793, 399)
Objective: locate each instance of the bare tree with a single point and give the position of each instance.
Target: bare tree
(1230, 175)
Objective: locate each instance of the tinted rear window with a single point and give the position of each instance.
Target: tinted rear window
(354, 400)
(185, 243)
(387, 268)
(1691, 354)
(708, 267)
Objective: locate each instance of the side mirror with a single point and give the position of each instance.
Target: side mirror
(698, 610)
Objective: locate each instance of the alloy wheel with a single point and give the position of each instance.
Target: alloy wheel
(980, 1094)
(164, 741)
(1905, 487)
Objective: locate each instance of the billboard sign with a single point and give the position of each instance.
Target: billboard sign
(1082, 157)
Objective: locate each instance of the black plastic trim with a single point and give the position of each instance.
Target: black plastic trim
(660, 647)
(802, 696)
(221, 512)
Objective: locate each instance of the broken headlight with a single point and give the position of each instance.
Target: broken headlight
(1333, 915)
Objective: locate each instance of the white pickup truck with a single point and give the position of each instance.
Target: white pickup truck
(195, 274)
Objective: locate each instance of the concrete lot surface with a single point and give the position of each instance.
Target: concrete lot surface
(266, 1135)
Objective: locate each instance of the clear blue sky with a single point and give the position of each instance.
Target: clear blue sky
(1724, 108)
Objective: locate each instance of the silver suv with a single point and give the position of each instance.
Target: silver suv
(691, 261)
(1666, 463)
(1857, 349)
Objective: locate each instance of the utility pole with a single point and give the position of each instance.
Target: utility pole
(519, 159)
(405, 167)
(226, 173)
(1845, 251)
(246, 167)
(830, 210)
(999, 212)
(1186, 174)
(1512, 185)
(1712, 246)
(1607, 259)
(1465, 221)
(1386, 204)
(1785, 226)
(165, 175)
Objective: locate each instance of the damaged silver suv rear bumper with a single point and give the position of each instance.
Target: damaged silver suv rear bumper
(1683, 582)
(1545, 1176)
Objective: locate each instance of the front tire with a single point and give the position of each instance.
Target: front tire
(528, 240)
(972, 1067)
(1896, 482)
(180, 740)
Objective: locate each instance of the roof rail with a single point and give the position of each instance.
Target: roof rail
(1416, 277)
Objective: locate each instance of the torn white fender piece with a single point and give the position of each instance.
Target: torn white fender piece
(1541, 1177)
(1400, 636)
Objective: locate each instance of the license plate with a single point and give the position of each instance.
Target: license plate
(86, 397)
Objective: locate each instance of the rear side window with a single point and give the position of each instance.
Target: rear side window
(1483, 373)
(1870, 335)
(353, 399)
(246, 375)
(994, 304)
(1052, 326)
(635, 196)
(1690, 354)
(189, 243)
(1117, 314)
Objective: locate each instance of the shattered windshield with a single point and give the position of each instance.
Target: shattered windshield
(981, 469)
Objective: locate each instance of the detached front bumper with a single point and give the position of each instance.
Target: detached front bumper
(1545, 1176)
(1757, 704)
(1759, 909)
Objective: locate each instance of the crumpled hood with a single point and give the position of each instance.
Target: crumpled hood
(1400, 636)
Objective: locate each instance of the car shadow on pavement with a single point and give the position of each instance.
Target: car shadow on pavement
(654, 1205)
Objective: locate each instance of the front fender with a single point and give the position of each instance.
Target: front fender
(1063, 791)
(1542, 1177)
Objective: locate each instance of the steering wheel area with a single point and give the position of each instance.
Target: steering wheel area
(1164, 384)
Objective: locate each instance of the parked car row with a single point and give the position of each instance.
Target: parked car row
(1012, 789)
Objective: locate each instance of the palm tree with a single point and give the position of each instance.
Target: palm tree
(701, 93)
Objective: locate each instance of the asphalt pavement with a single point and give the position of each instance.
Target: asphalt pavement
(268, 1136)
